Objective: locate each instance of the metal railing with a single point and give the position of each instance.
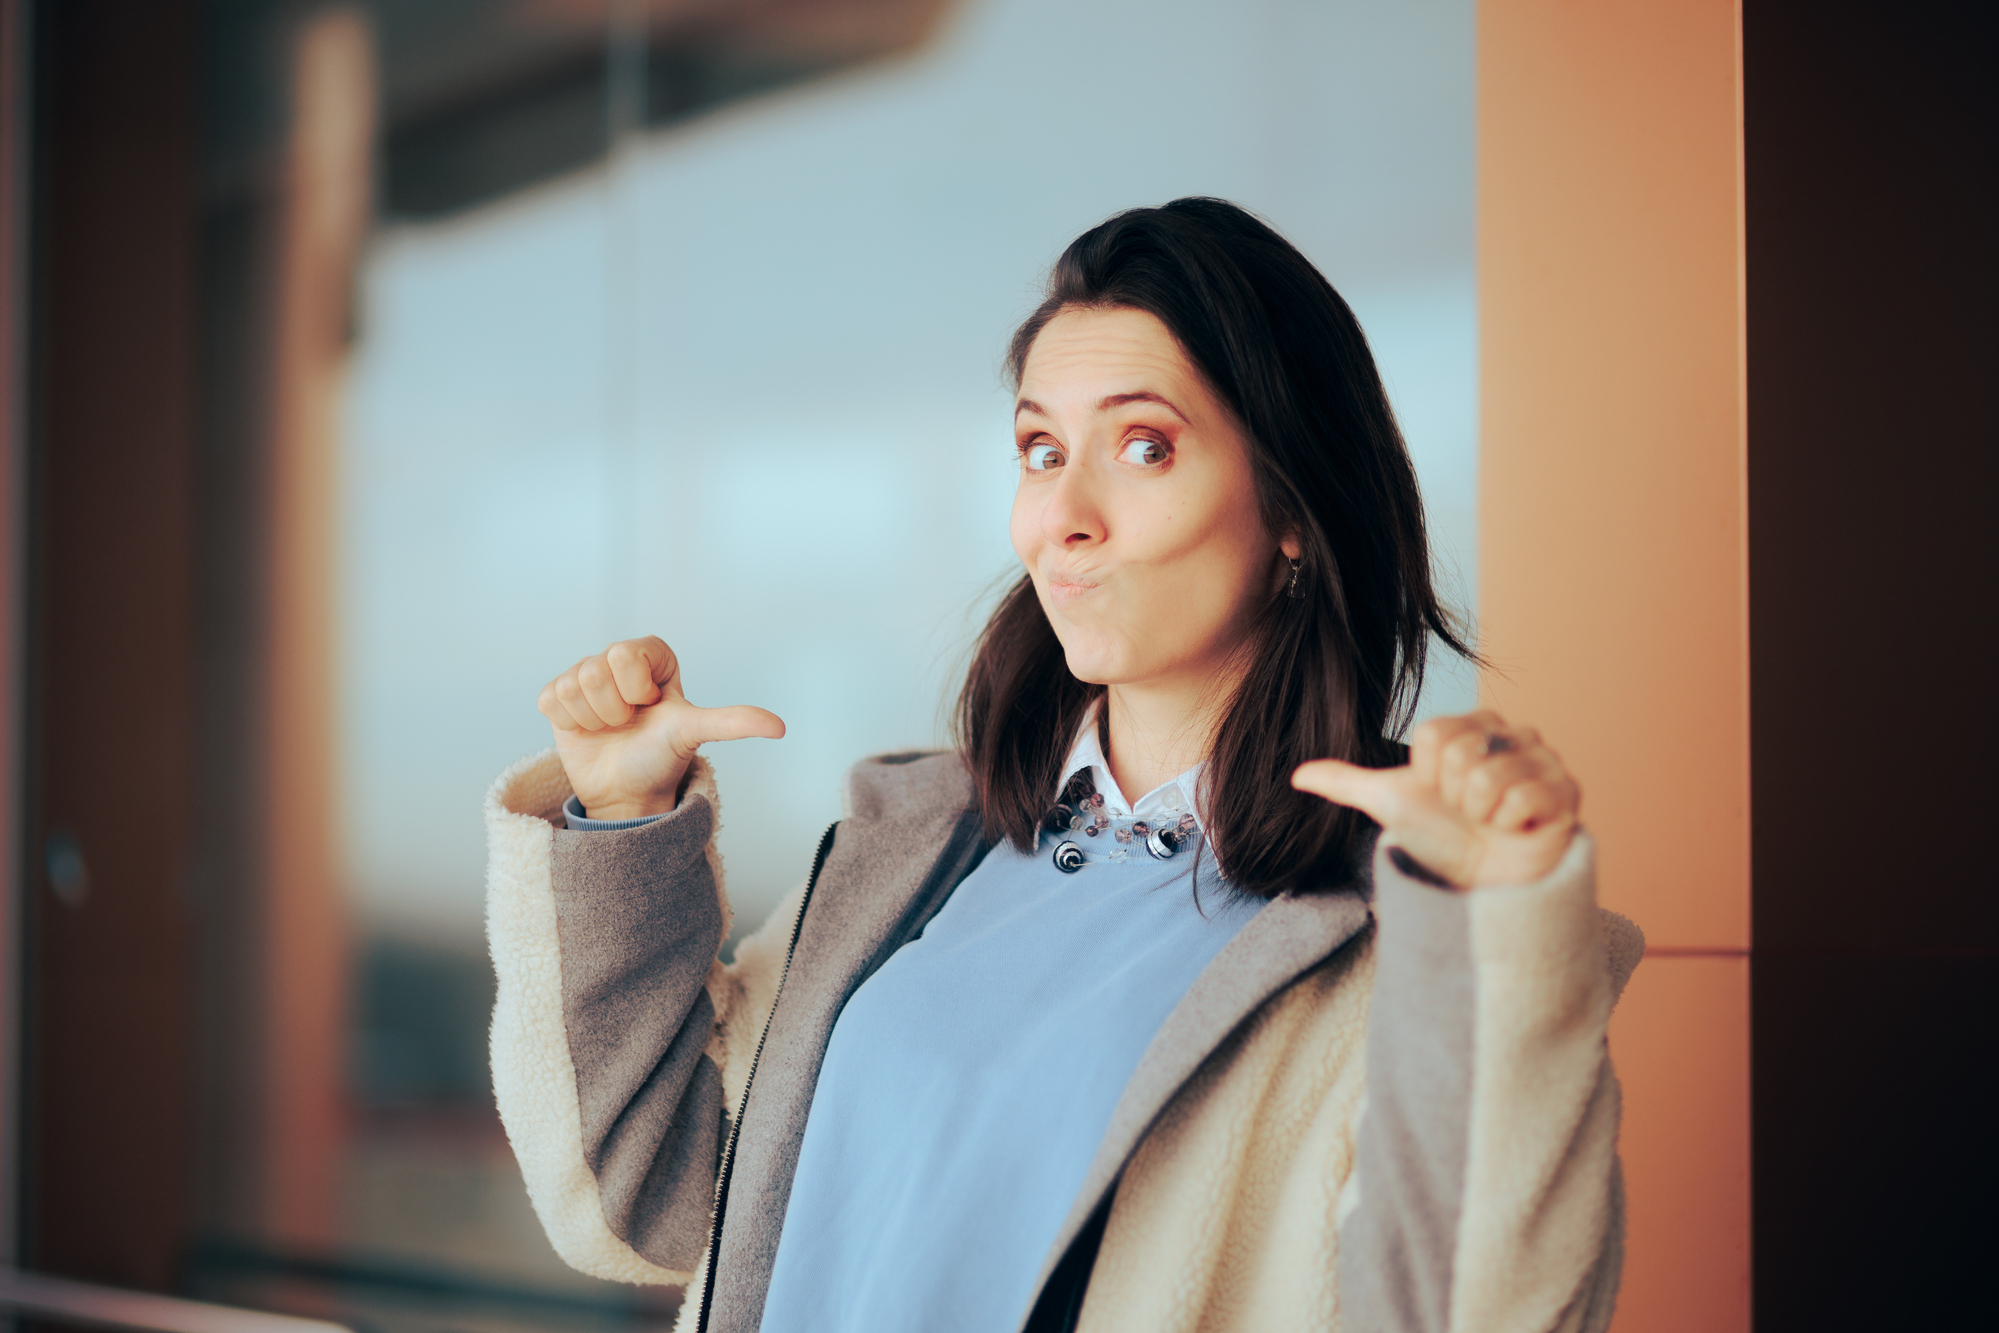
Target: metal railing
(92, 1306)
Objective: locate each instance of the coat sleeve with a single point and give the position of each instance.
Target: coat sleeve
(1486, 1191)
(618, 1037)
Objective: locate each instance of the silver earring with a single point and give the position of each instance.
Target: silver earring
(1291, 590)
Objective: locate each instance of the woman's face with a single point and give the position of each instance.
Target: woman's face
(1136, 515)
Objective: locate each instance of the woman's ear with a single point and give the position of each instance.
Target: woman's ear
(1290, 546)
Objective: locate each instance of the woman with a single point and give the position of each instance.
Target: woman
(1027, 1053)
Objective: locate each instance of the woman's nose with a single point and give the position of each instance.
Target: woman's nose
(1073, 516)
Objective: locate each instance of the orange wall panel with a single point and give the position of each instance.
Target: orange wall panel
(1613, 557)
(1613, 536)
(1680, 1038)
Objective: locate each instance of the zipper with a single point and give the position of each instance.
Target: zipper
(736, 1128)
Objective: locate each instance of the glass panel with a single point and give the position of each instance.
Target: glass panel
(686, 319)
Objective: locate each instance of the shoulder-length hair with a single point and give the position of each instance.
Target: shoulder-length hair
(1333, 667)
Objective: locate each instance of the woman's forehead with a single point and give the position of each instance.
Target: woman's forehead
(1094, 353)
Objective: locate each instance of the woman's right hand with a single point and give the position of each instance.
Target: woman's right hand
(626, 732)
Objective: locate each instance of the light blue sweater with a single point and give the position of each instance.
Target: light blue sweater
(968, 1083)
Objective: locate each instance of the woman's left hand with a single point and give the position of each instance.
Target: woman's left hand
(1478, 804)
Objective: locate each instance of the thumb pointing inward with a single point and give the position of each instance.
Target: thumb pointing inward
(1372, 791)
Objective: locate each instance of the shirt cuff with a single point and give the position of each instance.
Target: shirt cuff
(574, 818)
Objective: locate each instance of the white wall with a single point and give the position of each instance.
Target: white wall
(744, 391)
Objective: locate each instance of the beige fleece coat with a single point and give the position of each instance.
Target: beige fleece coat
(1227, 1217)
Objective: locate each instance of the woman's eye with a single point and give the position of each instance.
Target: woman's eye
(1040, 457)
(1145, 453)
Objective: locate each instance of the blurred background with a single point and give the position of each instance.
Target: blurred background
(366, 363)
(520, 326)
(685, 319)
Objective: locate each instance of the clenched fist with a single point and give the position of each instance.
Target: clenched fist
(1478, 804)
(626, 732)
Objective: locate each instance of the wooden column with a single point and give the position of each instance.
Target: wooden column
(1613, 560)
(14, 120)
(326, 212)
(110, 893)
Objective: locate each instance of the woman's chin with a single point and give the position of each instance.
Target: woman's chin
(1094, 667)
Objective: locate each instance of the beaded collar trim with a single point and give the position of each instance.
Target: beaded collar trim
(1080, 811)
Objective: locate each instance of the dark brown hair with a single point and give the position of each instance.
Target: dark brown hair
(1334, 671)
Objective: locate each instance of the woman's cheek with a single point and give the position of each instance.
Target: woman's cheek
(1024, 528)
(1210, 609)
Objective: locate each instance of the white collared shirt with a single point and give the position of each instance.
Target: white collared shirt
(1176, 796)
(1161, 807)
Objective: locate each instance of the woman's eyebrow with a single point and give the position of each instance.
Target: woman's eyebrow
(1106, 404)
(1120, 399)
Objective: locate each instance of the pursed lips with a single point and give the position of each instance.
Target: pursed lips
(1066, 586)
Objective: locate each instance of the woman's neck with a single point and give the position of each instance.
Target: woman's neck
(1159, 730)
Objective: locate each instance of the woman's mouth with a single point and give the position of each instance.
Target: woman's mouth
(1065, 588)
